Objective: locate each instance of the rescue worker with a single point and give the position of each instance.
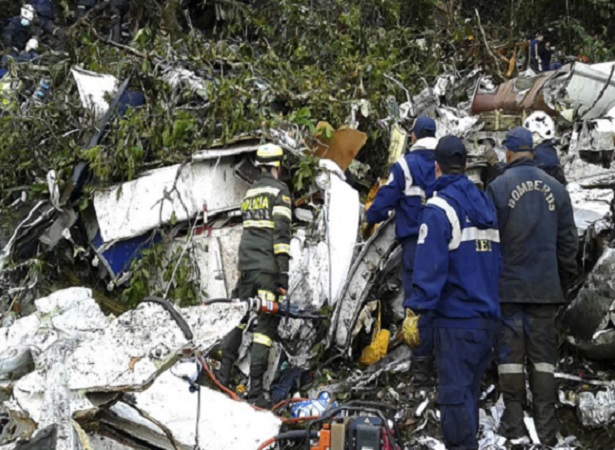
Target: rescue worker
(264, 253)
(405, 192)
(20, 36)
(545, 57)
(539, 247)
(545, 155)
(535, 50)
(46, 16)
(456, 281)
(118, 9)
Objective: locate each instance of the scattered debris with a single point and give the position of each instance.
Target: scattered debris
(597, 410)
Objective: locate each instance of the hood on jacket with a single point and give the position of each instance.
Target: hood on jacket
(427, 143)
(475, 203)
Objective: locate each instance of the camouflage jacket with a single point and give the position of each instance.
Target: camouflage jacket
(266, 212)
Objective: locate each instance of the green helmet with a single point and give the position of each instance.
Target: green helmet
(269, 155)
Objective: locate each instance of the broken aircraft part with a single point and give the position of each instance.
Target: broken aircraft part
(177, 192)
(360, 279)
(590, 318)
(99, 354)
(514, 96)
(596, 410)
(586, 90)
(223, 423)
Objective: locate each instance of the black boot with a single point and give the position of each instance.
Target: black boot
(256, 394)
(224, 373)
(228, 353)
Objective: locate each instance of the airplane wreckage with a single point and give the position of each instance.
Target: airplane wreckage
(72, 377)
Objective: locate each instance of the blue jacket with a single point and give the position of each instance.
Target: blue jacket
(408, 187)
(44, 9)
(533, 44)
(539, 236)
(458, 257)
(15, 36)
(545, 157)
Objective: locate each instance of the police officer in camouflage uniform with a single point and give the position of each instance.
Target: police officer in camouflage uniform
(264, 253)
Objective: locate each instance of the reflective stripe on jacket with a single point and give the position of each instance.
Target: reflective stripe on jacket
(407, 189)
(538, 233)
(267, 215)
(458, 257)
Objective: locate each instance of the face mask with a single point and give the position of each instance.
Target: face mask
(25, 22)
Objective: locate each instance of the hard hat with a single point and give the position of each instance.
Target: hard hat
(541, 126)
(269, 155)
(27, 12)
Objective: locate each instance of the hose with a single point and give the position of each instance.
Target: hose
(212, 301)
(232, 395)
(189, 336)
(176, 316)
(294, 435)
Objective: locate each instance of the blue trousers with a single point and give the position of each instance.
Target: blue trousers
(462, 356)
(425, 350)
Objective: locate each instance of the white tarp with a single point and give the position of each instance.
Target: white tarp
(94, 89)
(132, 208)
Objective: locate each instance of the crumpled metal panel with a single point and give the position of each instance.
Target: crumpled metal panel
(587, 90)
(597, 410)
(591, 316)
(594, 135)
(82, 351)
(360, 280)
(180, 192)
(224, 423)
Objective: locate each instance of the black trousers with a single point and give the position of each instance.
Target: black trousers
(528, 341)
(252, 283)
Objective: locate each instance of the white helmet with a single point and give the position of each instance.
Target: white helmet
(27, 12)
(541, 126)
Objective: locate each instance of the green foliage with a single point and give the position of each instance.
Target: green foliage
(157, 268)
(304, 172)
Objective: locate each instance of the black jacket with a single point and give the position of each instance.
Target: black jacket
(15, 36)
(545, 157)
(537, 233)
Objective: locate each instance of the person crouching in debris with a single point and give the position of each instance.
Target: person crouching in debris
(545, 155)
(539, 247)
(20, 36)
(405, 192)
(264, 253)
(456, 281)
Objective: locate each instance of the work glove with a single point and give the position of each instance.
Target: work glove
(32, 45)
(410, 329)
(281, 284)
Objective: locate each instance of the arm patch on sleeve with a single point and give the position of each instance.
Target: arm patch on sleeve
(423, 233)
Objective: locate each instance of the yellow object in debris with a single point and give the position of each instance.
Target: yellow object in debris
(377, 349)
(241, 389)
(410, 330)
(368, 229)
(397, 146)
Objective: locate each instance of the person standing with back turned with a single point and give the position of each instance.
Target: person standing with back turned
(456, 282)
(406, 192)
(264, 255)
(539, 246)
